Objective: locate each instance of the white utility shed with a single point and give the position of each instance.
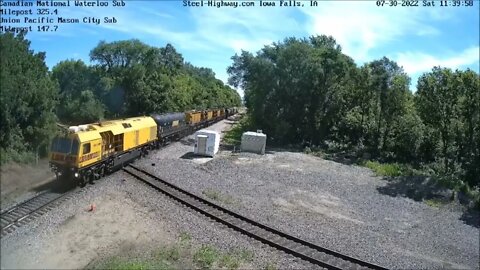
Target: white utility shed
(207, 143)
(254, 142)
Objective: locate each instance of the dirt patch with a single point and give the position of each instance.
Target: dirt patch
(115, 227)
(18, 181)
(308, 202)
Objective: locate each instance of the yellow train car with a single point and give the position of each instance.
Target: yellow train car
(193, 117)
(88, 151)
(209, 115)
(215, 114)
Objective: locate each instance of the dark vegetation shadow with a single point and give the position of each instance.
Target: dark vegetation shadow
(189, 155)
(420, 188)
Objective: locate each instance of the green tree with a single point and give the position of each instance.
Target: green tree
(78, 103)
(28, 97)
(295, 89)
(140, 79)
(390, 84)
(468, 83)
(438, 101)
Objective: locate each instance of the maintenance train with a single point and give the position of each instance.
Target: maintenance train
(87, 152)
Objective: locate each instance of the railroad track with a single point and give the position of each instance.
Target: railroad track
(30, 209)
(297, 247)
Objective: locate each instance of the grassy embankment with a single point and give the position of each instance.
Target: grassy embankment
(183, 256)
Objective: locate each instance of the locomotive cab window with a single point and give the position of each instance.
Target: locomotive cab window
(64, 145)
(86, 148)
(74, 150)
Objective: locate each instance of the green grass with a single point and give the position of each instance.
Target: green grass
(171, 254)
(234, 135)
(205, 257)
(217, 196)
(181, 256)
(125, 264)
(270, 266)
(208, 257)
(435, 202)
(185, 237)
(386, 169)
(229, 262)
(234, 259)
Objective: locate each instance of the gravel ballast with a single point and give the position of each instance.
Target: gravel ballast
(336, 206)
(340, 207)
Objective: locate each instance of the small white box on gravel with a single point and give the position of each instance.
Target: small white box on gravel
(207, 142)
(254, 142)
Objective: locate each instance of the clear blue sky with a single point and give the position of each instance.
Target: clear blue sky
(418, 38)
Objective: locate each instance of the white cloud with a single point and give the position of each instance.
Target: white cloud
(209, 30)
(243, 28)
(360, 27)
(416, 62)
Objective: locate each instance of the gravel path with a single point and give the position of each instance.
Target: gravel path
(333, 205)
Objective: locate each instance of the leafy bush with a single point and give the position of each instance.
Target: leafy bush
(234, 135)
(11, 155)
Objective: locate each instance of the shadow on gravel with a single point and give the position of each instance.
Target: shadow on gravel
(187, 141)
(471, 217)
(55, 186)
(273, 149)
(417, 188)
(420, 188)
(344, 158)
(229, 147)
(189, 155)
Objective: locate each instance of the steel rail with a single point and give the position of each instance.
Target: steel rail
(30, 209)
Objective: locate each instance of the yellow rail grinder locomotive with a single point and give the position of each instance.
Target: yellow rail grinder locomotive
(87, 152)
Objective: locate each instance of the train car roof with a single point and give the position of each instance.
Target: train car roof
(115, 126)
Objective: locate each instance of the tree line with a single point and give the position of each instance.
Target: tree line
(308, 92)
(127, 78)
